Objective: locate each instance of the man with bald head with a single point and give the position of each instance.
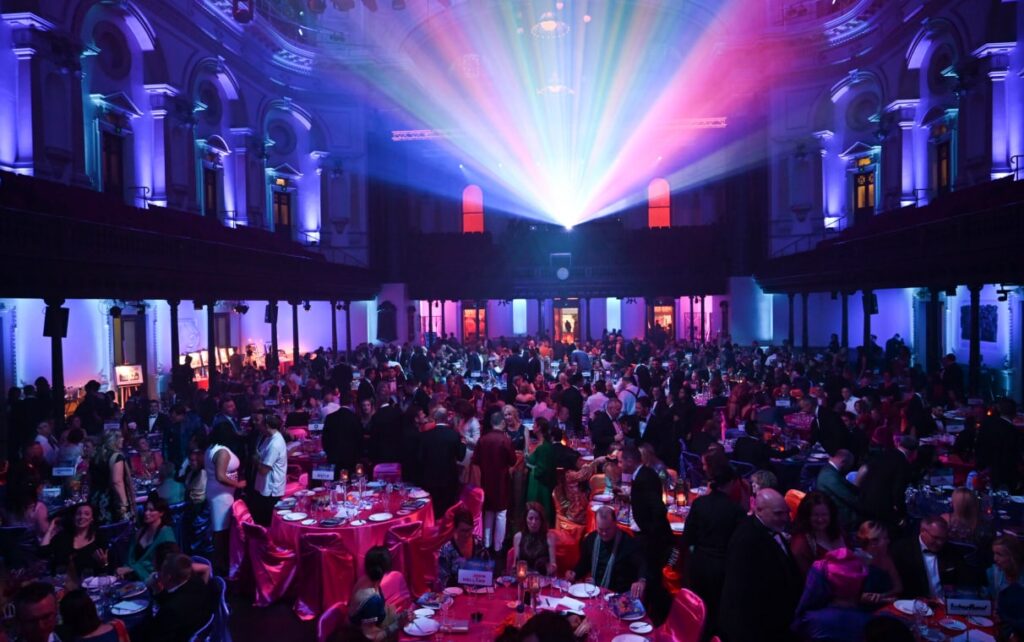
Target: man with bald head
(762, 582)
(610, 558)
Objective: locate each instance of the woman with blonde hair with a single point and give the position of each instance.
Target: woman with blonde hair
(964, 519)
(111, 488)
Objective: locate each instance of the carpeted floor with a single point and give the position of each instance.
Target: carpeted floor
(276, 623)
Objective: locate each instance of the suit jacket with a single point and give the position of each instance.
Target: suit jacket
(441, 450)
(515, 365)
(752, 450)
(602, 433)
(495, 457)
(343, 438)
(657, 433)
(842, 492)
(650, 514)
(909, 560)
(573, 400)
(998, 447)
(181, 613)
(629, 565)
(828, 430)
(386, 435)
(762, 586)
(883, 487)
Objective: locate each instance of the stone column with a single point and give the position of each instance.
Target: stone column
(792, 333)
(903, 112)
(974, 367)
(161, 100)
(175, 340)
(348, 331)
(334, 328)
(868, 294)
(211, 346)
(804, 335)
(272, 360)
(58, 313)
(295, 332)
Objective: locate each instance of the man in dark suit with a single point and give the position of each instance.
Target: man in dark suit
(651, 517)
(610, 545)
(751, 449)
(515, 365)
(154, 421)
(572, 399)
(343, 438)
(420, 365)
(998, 446)
(386, 429)
(533, 366)
(884, 484)
(925, 563)
(684, 414)
(762, 582)
(826, 427)
(645, 427)
(441, 450)
(602, 427)
(832, 482)
(185, 603)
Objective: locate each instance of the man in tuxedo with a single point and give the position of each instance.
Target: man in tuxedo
(925, 563)
(572, 399)
(533, 366)
(229, 415)
(185, 604)
(750, 448)
(826, 428)
(342, 438)
(643, 376)
(651, 517)
(884, 484)
(602, 427)
(998, 446)
(832, 482)
(684, 414)
(420, 365)
(762, 582)
(441, 450)
(386, 428)
(648, 428)
(515, 365)
(155, 421)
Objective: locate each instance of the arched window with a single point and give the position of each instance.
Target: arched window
(472, 210)
(659, 204)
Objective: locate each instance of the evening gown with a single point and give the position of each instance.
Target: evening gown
(542, 479)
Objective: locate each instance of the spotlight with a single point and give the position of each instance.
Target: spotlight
(568, 227)
(339, 306)
(241, 308)
(306, 306)
(115, 312)
(586, 18)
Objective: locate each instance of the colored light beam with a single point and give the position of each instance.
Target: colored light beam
(565, 111)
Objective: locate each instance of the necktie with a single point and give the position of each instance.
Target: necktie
(782, 543)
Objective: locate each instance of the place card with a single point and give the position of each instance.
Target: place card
(323, 472)
(782, 403)
(968, 606)
(64, 469)
(111, 425)
(316, 426)
(477, 573)
(270, 402)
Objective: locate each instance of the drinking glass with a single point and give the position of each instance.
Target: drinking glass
(920, 612)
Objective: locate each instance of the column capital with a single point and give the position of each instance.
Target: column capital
(54, 303)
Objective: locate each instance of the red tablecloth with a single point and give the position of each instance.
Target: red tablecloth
(938, 615)
(497, 612)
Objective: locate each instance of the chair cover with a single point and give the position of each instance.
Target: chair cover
(205, 633)
(118, 537)
(292, 485)
(422, 564)
(238, 570)
(272, 567)
(793, 499)
(399, 541)
(472, 497)
(327, 571)
(298, 433)
(685, 621)
(567, 551)
(396, 591)
(221, 631)
(388, 473)
(334, 619)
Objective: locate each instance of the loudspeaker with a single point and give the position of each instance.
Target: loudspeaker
(270, 314)
(871, 303)
(55, 323)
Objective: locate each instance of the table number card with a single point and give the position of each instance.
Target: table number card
(968, 606)
(111, 425)
(782, 403)
(316, 426)
(323, 472)
(64, 469)
(477, 573)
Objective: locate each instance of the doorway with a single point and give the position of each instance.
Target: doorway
(567, 320)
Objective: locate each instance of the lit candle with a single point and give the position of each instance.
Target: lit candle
(522, 568)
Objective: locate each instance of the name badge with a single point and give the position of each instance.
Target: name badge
(968, 606)
(323, 472)
(64, 469)
(782, 403)
(477, 573)
(316, 426)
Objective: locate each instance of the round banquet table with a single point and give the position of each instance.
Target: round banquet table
(939, 614)
(496, 613)
(358, 539)
(676, 514)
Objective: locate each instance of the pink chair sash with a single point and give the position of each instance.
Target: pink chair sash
(334, 619)
(327, 572)
(238, 570)
(273, 568)
(473, 498)
(395, 590)
(685, 621)
(388, 473)
(422, 563)
(399, 541)
(299, 432)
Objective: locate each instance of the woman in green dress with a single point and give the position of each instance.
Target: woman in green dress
(540, 460)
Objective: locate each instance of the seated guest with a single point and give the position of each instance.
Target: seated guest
(1006, 584)
(750, 448)
(35, 612)
(965, 523)
(170, 488)
(163, 552)
(832, 482)
(23, 508)
(883, 583)
(463, 546)
(183, 606)
(816, 530)
(708, 435)
(610, 558)
(369, 615)
(576, 488)
(71, 541)
(829, 608)
(81, 622)
(926, 563)
(761, 479)
(718, 468)
(565, 457)
(535, 544)
(154, 529)
(147, 463)
(547, 626)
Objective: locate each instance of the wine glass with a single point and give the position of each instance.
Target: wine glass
(920, 612)
(343, 480)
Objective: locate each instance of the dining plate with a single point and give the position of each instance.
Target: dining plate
(380, 517)
(405, 512)
(423, 612)
(99, 581)
(978, 620)
(629, 637)
(907, 607)
(584, 590)
(305, 492)
(418, 493)
(677, 527)
(129, 607)
(454, 591)
(641, 627)
(331, 521)
(1017, 499)
(952, 625)
(294, 517)
(309, 522)
(422, 627)
(603, 497)
(973, 636)
(131, 589)
(357, 522)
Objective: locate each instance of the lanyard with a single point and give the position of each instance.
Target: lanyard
(611, 559)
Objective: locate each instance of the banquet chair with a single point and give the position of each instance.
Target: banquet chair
(205, 633)
(222, 614)
(743, 469)
(238, 570)
(199, 559)
(118, 537)
(388, 473)
(178, 521)
(334, 619)
(793, 499)
(18, 545)
(396, 590)
(693, 468)
(686, 616)
(272, 567)
(473, 499)
(326, 572)
(809, 475)
(422, 563)
(399, 540)
(563, 524)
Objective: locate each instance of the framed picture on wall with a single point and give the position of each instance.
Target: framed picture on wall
(988, 325)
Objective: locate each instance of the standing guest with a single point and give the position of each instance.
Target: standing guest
(221, 467)
(832, 482)
(884, 483)
(816, 530)
(46, 440)
(386, 429)
(272, 463)
(413, 422)
(183, 606)
(535, 544)
(81, 622)
(463, 546)
(883, 583)
(111, 488)
(154, 529)
(495, 457)
(603, 431)
(371, 617)
(597, 401)
(540, 460)
(999, 446)
(155, 421)
(35, 613)
(572, 398)
(762, 582)
(343, 438)
(514, 427)
(197, 512)
(610, 558)
(655, 536)
(72, 541)
(468, 427)
(441, 451)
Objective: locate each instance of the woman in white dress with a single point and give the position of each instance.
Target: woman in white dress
(221, 466)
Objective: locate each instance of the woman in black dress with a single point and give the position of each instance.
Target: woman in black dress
(72, 541)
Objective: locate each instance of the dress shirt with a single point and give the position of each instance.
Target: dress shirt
(931, 567)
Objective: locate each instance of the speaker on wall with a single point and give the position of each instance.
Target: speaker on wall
(55, 323)
(270, 315)
(871, 303)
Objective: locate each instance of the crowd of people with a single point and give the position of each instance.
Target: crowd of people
(507, 416)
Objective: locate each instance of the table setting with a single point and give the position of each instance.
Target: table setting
(932, 623)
